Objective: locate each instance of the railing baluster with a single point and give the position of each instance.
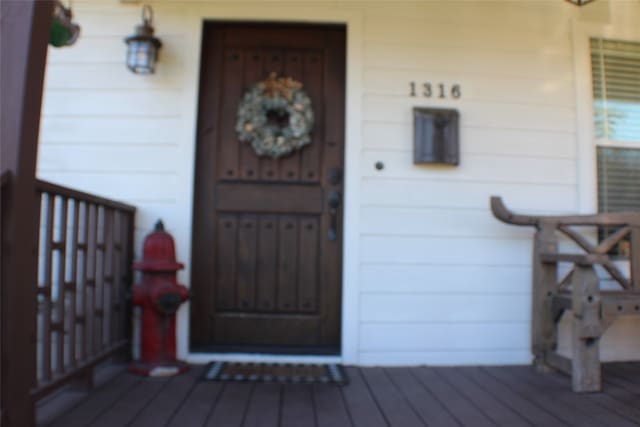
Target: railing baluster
(90, 302)
(45, 343)
(125, 277)
(107, 281)
(84, 270)
(82, 282)
(60, 267)
(116, 282)
(128, 261)
(71, 282)
(98, 314)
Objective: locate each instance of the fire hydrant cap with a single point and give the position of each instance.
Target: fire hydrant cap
(159, 252)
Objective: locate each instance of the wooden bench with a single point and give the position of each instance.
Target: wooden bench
(580, 290)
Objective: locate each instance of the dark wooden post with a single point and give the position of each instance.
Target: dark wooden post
(24, 35)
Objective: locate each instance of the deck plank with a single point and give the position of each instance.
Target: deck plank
(495, 410)
(231, 406)
(374, 397)
(617, 375)
(168, 400)
(607, 400)
(597, 407)
(297, 406)
(131, 403)
(264, 406)
(97, 402)
(197, 405)
(361, 405)
(428, 407)
(396, 408)
(459, 406)
(541, 397)
(330, 406)
(561, 392)
(535, 415)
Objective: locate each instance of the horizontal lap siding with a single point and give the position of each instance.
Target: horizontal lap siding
(101, 132)
(379, 108)
(495, 141)
(475, 167)
(108, 131)
(446, 358)
(440, 192)
(476, 336)
(442, 222)
(476, 307)
(112, 103)
(445, 250)
(123, 159)
(459, 279)
(442, 281)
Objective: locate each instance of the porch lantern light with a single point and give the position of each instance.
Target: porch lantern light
(142, 47)
(579, 2)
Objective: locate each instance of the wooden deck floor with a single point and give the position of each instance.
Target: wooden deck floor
(404, 397)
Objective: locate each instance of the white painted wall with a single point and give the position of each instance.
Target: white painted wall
(430, 277)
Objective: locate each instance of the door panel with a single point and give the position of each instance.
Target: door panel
(265, 273)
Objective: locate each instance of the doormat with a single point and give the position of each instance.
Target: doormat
(275, 373)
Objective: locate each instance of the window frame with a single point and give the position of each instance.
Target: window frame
(587, 143)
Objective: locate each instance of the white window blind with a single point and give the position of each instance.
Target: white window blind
(615, 67)
(616, 89)
(618, 179)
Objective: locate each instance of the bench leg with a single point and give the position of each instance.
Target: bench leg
(587, 329)
(585, 367)
(544, 338)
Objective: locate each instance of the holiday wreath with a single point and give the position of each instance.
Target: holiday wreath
(275, 116)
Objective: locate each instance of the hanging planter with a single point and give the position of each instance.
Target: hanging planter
(275, 117)
(62, 32)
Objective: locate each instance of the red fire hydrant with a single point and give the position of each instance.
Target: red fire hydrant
(160, 296)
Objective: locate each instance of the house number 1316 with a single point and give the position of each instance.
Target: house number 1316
(428, 90)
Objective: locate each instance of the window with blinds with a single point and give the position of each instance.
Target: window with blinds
(618, 179)
(615, 69)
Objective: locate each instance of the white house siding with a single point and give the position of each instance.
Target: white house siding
(430, 276)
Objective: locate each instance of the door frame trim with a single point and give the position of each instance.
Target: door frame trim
(353, 21)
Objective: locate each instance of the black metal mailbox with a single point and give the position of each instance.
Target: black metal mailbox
(435, 136)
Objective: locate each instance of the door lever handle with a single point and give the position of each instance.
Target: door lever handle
(334, 200)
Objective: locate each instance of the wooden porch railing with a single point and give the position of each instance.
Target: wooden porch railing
(84, 272)
(85, 254)
(594, 306)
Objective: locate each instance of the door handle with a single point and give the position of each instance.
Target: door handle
(334, 200)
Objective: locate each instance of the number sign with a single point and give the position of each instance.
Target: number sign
(429, 90)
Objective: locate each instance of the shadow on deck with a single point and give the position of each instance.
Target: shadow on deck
(463, 396)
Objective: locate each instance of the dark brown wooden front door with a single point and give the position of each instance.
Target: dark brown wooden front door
(267, 246)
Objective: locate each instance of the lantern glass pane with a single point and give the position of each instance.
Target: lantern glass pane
(141, 56)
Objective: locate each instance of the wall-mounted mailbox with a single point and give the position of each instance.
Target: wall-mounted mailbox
(435, 136)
